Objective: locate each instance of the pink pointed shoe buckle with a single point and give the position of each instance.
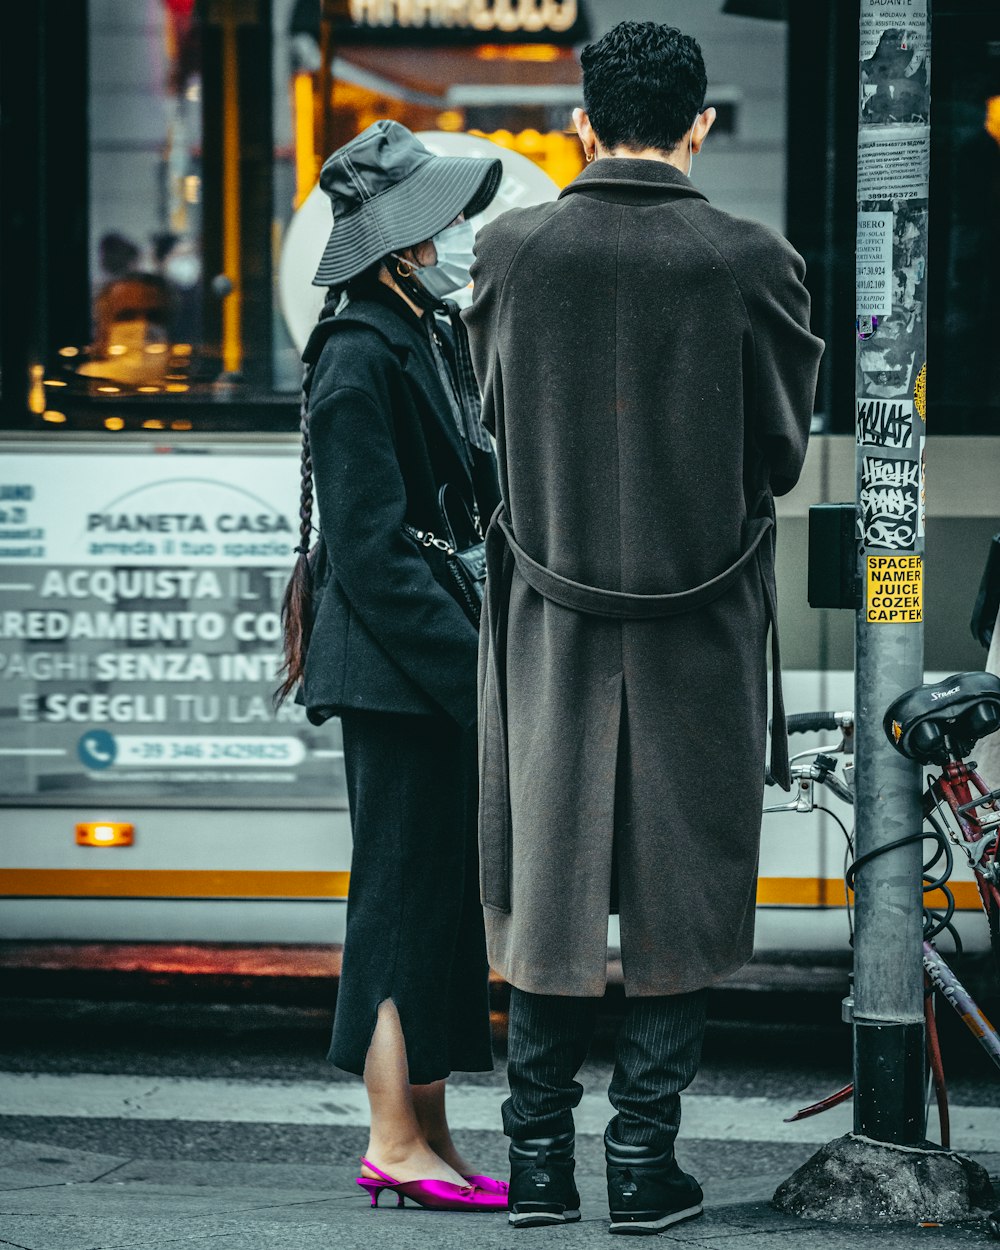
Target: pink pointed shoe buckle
(488, 1184)
(431, 1194)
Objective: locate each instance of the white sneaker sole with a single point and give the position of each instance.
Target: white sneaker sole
(531, 1219)
(640, 1227)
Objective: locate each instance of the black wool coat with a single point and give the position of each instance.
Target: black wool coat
(387, 633)
(648, 370)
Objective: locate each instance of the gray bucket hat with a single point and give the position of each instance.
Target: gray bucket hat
(387, 192)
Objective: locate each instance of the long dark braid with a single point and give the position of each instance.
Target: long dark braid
(296, 606)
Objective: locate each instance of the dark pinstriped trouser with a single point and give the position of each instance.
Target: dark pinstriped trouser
(657, 1052)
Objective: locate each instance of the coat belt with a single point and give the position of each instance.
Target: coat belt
(504, 553)
(620, 604)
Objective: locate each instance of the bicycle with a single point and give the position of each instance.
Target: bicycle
(936, 725)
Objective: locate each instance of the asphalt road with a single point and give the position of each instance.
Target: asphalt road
(148, 1124)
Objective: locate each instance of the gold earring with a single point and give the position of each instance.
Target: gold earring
(404, 269)
(590, 157)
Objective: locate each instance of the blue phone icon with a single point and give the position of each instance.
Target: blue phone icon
(97, 749)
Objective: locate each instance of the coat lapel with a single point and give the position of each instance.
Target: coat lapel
(406, 337)
(420, 367)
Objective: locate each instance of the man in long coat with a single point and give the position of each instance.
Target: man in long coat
(648, 372)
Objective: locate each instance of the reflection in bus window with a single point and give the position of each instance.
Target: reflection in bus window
(130, 344)
(145, 212)
(201, 117)
(208, 123)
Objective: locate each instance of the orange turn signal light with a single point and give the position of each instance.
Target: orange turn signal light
(105, 833)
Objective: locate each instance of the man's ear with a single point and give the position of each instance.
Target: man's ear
(586, 131)
(703, 123)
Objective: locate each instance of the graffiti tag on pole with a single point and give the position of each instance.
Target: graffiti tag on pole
(890, 502)
(885, 423)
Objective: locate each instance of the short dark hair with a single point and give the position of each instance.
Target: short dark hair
(643, 85)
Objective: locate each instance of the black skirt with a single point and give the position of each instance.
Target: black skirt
(414, 917)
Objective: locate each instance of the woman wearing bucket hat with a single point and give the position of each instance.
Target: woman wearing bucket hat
(374, 634)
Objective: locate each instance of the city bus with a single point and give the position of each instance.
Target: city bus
(157, 159)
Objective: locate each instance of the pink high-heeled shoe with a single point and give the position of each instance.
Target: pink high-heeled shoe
(434, 1195)
(488, 1184)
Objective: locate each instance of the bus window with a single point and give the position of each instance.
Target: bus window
(146, 255)
(192, 166)
(205, 128)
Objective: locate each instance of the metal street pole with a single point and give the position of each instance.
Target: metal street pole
(893, 157)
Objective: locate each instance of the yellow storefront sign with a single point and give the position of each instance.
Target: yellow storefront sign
(895, 590)
(508, 16)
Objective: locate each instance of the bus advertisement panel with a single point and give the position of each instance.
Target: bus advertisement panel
(140, 630)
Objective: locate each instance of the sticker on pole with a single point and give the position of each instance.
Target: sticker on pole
(873, 265)
(895, 590)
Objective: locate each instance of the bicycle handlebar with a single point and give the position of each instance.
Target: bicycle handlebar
(821, 771)
(808, 722)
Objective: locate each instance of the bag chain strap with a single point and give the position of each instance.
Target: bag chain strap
(426, 539)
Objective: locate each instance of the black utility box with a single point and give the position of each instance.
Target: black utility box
(833, 556)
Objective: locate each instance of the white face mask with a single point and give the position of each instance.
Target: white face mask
(451, 271)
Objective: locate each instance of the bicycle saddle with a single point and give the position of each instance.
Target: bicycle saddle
(932, 723)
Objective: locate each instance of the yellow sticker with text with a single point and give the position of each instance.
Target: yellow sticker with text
(895, 590)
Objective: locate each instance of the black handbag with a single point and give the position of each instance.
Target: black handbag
(461, 540)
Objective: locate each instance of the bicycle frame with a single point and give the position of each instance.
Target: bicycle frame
(945, 981)
(980, 840)
(979, 831)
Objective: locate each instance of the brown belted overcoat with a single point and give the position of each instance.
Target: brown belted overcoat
(648, 371)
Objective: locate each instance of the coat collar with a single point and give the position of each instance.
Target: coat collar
(391, 328)
(411, 333)
(378, 293)
(625, 171)
(405, 334)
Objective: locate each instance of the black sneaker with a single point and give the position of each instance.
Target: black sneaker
(647, 1191)
(542, 1189)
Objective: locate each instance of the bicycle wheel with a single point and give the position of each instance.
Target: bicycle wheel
(991, 905)
(989, 896)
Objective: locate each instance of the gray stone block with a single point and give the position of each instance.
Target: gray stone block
(856, 1180)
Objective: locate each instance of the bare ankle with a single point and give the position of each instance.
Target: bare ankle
(394, 1149)
(445, 1149)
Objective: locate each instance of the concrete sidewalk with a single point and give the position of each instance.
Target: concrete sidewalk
(54, 1198)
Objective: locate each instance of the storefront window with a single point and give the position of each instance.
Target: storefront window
(207, 122)
(147, 272)
(192, 174)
